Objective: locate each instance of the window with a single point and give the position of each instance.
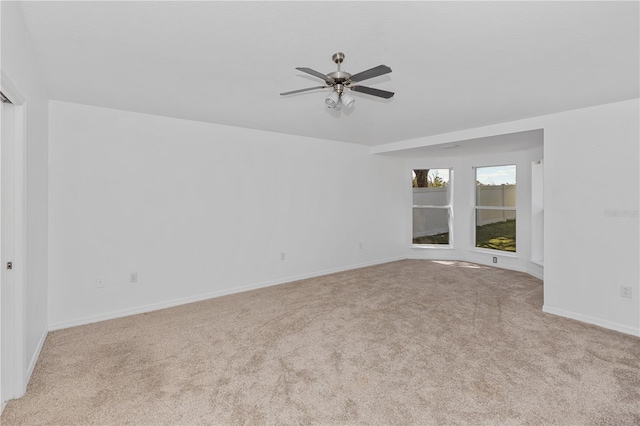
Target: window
(431, 206)
(496, 207)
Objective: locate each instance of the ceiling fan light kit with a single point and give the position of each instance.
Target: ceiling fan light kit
(347, 100)
(340, 80)
(333, 99)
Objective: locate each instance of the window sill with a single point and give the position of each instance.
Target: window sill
(511, 254)
(432, 246)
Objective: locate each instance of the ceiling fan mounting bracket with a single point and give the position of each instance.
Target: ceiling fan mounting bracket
(338, 57)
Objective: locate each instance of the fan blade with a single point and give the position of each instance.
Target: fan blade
(302, 90)
(370, 73)
(372, 91)
(315, 73)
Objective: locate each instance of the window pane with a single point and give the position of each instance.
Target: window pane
(496, 229)
(431, 187)
(496, 186)
(430, 226)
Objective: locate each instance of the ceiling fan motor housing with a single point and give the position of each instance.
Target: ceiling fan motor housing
(339, 77)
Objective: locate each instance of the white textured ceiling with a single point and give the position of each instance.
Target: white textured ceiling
(455, 65)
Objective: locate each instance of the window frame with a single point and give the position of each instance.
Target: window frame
(476, 207)
(448, 207)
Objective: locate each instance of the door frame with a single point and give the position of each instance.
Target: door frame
(13, 381)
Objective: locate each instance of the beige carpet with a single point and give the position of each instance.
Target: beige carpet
(409, 342)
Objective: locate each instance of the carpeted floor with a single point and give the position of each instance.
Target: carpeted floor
(408, 342)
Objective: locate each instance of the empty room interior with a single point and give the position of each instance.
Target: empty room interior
(320, 212)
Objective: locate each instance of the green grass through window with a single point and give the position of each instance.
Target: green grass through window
(496, 236)
(433, 239)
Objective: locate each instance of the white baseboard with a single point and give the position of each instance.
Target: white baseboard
(536, 269)
(198, 298)
(535, 274)
(610, 325)
(36, 355)
(455, 258)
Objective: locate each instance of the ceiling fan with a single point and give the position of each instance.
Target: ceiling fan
(339, 81)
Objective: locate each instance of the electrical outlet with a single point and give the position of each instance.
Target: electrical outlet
(282, 256)
(133, 277)
(100, 282)
(495, 259)
(625, 292)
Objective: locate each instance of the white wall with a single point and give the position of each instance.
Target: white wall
(200, 210)
(200, 235)
(588, 254)
(463, 186)
(20, 66)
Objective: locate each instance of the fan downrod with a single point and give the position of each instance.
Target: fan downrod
(339, 77)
